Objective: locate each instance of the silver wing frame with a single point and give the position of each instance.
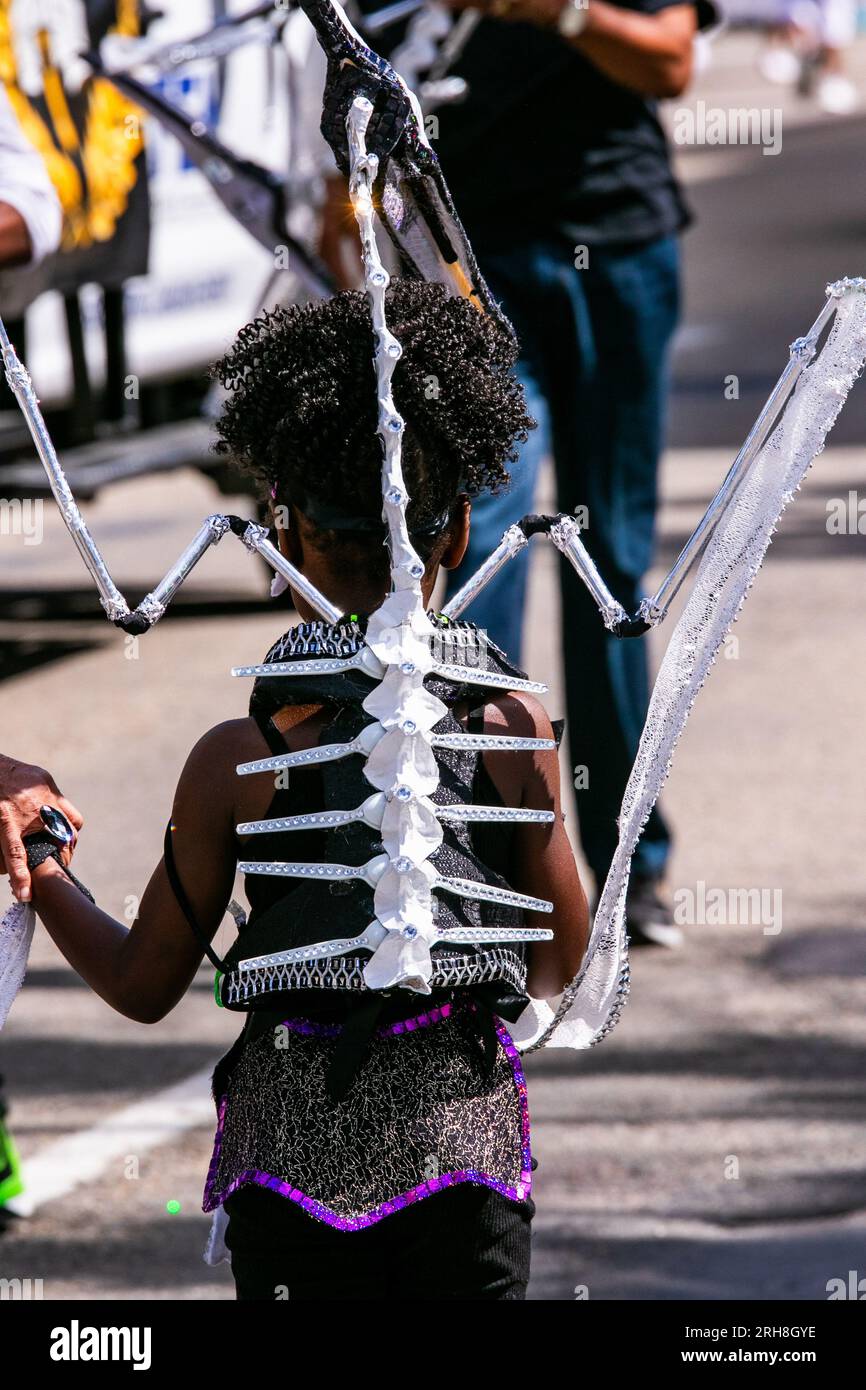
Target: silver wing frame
(563, 530)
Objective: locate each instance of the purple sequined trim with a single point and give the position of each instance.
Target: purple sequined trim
(308, 1028)
(519, 1192)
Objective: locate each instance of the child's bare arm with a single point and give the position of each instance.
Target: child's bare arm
(143, 971)
(543, 862)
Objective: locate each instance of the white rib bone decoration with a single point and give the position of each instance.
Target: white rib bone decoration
(372, 872)
(372, 812)
(399, 743)
(364, 660)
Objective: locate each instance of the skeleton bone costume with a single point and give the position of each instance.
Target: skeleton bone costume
(422, 1094)
(396, 896)
(430, 1087)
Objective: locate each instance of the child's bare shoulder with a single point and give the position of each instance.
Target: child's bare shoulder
(517, 713)
(222, 747)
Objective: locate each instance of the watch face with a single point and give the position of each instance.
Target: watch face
(57, 825)
(572, 19)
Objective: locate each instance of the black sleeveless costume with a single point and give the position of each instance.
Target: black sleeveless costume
(357, 1104)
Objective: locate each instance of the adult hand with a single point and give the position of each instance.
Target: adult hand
(24, 788)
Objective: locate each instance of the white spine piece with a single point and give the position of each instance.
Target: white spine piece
(402, 763)
(398, 744)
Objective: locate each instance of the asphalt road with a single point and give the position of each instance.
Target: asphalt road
(713, 1147)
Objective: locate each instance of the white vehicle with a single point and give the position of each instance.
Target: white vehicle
(206, 275)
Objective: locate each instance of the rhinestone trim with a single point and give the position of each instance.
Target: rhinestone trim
(505, 742)
(494, 813)
(494, 680)
(491, 893)
(347, 973)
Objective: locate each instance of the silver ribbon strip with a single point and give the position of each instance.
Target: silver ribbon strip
(370, 736)
(372, 814)
(365, 661)
(372, 871)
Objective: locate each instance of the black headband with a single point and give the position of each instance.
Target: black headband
(332, 518)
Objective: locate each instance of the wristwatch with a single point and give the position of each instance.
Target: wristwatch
(47, 843)
(572, 18)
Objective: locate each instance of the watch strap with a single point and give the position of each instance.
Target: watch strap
(41, 846)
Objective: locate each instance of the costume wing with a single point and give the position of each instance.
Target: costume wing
(743, 530)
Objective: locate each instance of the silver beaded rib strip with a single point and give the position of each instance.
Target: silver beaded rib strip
(501, 742)
(524, 814)
(369, 737)
(367, 662)
(372, 871)
(372, 814)
(372, 937)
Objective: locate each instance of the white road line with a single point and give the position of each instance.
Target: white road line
(59, 1168)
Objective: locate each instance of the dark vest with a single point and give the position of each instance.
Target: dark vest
(288, 913)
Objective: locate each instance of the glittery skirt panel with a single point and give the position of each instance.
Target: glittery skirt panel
(424, 1112)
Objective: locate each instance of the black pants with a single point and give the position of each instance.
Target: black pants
(466, 1242)
(593, 363)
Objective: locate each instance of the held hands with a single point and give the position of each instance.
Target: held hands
(24, 788)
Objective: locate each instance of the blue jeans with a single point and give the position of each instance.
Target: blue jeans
(594, 357)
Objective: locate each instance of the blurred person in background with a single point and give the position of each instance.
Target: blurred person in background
(560, 172)
(30, 216)
(807, 51)
(30, 227)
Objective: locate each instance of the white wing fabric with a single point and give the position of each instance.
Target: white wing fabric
(590, 1005)
(16, 936)
(216, 1251)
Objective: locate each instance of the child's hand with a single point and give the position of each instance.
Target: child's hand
(24, 788)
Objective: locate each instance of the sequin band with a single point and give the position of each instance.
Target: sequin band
(310, 1028)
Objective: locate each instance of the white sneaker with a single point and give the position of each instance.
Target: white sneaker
(779, 65)
(837, 95)
(649, 920)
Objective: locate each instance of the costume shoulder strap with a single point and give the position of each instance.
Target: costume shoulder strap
(183, 901)
(268, 728)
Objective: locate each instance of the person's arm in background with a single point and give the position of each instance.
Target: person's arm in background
(16, 245)
(338, 234)
(31, 219)
(649, 53)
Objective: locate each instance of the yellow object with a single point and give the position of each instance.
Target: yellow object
(94, 170)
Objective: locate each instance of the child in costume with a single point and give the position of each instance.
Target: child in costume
(371, 1142)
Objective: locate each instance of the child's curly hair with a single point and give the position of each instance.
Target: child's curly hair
(301, 413)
